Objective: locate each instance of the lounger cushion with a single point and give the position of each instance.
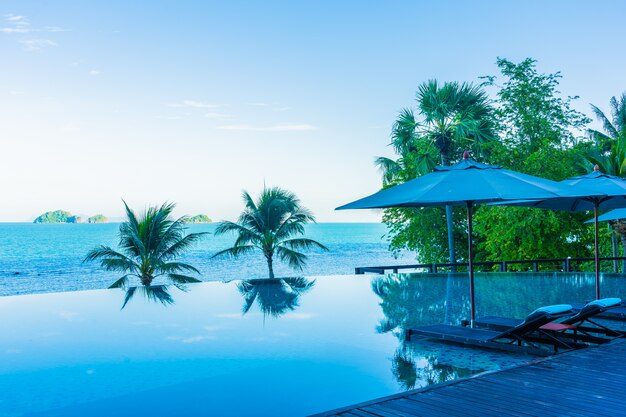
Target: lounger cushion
(555, 309)
(606, 302)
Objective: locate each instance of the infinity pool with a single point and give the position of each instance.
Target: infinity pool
(269, 348)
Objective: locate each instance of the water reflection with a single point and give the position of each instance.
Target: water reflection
(274, 296)
(153, 293)
(408, 301)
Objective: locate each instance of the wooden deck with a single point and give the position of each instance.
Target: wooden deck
(589, 382)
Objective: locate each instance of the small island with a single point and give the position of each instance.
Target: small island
(98, 218)
(199, 219)
(57, 216)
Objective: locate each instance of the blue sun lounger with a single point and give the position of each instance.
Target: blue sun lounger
(577, 327)
(526, 336)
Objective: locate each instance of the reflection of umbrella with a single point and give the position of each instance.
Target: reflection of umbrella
(466, 183)
(613, 188)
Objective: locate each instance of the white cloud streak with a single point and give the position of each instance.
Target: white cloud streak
(194, 104)
(282, 127)
(37, 44)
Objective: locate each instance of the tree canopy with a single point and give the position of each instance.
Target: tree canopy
(533, 128)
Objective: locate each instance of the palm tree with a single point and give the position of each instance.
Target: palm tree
(149, 246)
(269, 225)
(610, 150)
(453, 117)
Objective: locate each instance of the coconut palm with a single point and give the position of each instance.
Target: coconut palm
(453, 117)
(149, 246)
(270, 225)
(610, 151)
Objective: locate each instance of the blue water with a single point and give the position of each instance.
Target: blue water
(37, 258)
(279, 348)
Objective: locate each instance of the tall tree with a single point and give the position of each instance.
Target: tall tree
(609, 152)
(451, 118)
(149, 246)
(271, 225)
(541, 134)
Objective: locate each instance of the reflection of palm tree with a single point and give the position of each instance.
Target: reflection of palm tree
(274, 296)
(404, 369)
(154, 293)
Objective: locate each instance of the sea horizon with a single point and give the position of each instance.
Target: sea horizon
(41, 258)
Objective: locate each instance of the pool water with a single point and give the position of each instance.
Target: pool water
(283, 347)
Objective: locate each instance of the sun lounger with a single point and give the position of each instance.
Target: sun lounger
(613, 313)
(527, 336)
(583, 325)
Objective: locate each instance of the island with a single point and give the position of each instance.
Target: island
(98, 218)
(199, 219)
(57, 216)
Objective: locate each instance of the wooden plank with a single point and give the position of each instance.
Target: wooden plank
(588, 382)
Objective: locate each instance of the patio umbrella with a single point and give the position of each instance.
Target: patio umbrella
(613, 188)
(611, 215)
(467, 183)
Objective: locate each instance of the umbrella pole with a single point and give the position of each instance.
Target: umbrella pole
(597, 254)
(471, 262)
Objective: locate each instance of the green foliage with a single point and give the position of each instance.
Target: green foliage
(539, 134)
(271, 225)
(609, 150)
(537, 128)
(451, 118)
(198, 219)
(57, 216)
(98, 218)
(149, 246)
(531, 114)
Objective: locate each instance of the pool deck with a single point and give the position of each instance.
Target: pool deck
(588, 382)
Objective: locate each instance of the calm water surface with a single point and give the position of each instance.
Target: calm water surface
(38, 258)
(270, 348)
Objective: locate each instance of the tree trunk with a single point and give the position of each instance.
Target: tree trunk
(614, 243)
(270, 266)
(450, 225)
(445, 160)
(623, 253)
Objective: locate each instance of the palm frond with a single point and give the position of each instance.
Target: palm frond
(120, 283)
(294, 259)
(303, 243)
(182, 279)
(606, 123)
(235, 251)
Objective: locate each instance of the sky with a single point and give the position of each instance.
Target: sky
(193, 102)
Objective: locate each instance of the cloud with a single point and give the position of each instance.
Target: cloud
(194, 104)
(19, 24)
(37, 44)
(282, 127)
(258, 104)
(216, 115)
(94, 72)
(14, 30)
(16, 92)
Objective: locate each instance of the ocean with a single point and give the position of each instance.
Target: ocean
(39, 258)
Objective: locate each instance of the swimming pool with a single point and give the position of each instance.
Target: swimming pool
(282, 347)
